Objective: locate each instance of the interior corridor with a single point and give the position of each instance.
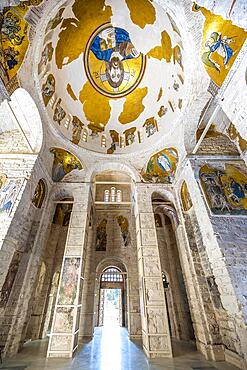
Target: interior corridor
(110, 349)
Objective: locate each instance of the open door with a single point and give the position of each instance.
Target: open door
(112, 305)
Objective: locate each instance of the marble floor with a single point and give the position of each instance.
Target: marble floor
(110, 349)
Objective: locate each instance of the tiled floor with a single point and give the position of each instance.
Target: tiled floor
(110, 349)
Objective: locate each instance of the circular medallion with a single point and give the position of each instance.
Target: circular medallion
(113, 65)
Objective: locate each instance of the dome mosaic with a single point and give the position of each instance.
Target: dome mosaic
(111, 74)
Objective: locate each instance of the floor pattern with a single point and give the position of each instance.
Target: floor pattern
(110, 349)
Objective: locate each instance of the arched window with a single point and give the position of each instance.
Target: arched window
(103, 141)
(106, 195)
(112, 275)
(140, 136)
(122, 141)
(53, 100)
(119, 196)
(85, 135)
(113, 194)
(68, 121)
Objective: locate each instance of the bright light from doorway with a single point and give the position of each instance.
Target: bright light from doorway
(112, 307)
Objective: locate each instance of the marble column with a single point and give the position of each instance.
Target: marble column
(64, 336)
(155, 330)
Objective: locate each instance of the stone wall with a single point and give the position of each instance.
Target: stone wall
(217, 244)
(43, 302)
(13, 142)
(23, 232)
(232, 238)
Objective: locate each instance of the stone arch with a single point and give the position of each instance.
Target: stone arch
(171, 254)
(103, 265)
(165, 194)
(59, 193)
(110, 262)
(170, 212)
(105, 166)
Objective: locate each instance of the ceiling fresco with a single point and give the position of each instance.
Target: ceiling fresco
(64, 162)
(14, 38)
(225, 190)
(221, 43)
(111, 73)
(161, 167)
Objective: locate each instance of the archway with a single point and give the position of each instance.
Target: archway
(178, 311)
(112, 296)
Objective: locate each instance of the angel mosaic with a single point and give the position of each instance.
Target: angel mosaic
(220, 45)
(39, 194)
(164, 161)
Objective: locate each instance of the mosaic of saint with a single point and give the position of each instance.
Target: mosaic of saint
(67, 294)
(124, 227)
(113, 65)
(64, 162)
(8, 194)
(162, 166)
(225, 190)
(101, 236)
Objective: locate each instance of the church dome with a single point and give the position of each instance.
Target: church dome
(111, 74)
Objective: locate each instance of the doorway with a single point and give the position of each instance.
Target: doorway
(112, 310)
(112, 315)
